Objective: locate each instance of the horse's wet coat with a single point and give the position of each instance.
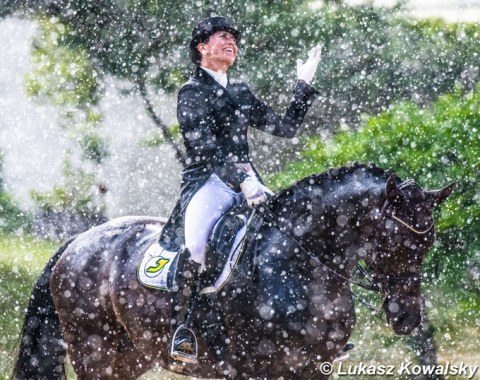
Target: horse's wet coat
(284, 319)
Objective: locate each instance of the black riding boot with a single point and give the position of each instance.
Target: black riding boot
(214, 332)
(184, 342)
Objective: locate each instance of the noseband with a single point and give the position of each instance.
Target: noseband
(410, 227)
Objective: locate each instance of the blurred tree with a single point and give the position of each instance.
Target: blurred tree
(12, 218)
(7, 7)
(375, 57)
(372, 55)
(2, 185)
(65, 77)
(372, 58)
(70, 207)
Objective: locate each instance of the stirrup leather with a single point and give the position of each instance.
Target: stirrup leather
(186, 350)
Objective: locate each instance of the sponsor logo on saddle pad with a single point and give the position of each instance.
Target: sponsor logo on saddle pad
(157, 268)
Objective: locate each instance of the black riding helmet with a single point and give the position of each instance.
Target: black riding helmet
(205, 29)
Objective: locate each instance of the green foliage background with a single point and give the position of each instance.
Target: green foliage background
(372, 56)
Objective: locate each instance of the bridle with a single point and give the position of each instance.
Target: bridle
(376, 281)
(411, 277)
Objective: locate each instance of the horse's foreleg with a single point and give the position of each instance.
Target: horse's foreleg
(128, 363)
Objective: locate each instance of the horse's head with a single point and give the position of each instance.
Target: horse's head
(403, 234)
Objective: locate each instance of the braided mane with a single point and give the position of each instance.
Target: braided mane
(334, 173)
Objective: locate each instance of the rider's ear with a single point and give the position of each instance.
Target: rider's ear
(201, 47)
(436, 197)
(393, 193)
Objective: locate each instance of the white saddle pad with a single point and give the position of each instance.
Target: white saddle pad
(158, 266)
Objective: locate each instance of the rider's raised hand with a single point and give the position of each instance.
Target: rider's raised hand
(253, 191)
(306, 71)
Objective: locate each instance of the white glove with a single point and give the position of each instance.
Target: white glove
(306, 71)
(253, 191)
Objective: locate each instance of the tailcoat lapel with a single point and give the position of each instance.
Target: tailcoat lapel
(227, 94)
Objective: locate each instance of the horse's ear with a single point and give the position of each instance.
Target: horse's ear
(392, 191)
(438, 196)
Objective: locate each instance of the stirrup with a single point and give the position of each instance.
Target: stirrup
(183, 351)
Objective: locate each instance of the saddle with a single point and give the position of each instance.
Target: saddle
(232, 236)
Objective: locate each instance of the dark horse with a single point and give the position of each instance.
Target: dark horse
(291, 312)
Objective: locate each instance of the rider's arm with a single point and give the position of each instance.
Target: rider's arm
(266, 119)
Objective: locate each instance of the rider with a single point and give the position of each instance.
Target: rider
(215, 113)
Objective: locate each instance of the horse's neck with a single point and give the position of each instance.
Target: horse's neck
(328, 220)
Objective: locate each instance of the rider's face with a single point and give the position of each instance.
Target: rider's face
(219, 52)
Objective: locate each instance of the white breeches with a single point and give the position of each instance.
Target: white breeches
(208, 204)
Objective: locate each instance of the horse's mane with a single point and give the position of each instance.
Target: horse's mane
(327, 176)
(332, 173)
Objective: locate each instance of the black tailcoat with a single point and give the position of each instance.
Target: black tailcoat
(214, 122)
